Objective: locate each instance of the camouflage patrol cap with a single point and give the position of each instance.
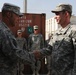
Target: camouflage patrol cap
(62, 7)
(13, 8)
(35, 27)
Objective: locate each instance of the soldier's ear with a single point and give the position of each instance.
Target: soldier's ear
(66, 13)
(9, 14)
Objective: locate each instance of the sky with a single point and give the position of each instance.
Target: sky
(40, 6)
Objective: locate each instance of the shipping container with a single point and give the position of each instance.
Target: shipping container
(26, 23)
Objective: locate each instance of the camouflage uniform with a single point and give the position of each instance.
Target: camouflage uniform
(35, 42)
(62, 49)
(62, 46)
(9, 51)
(22, 43)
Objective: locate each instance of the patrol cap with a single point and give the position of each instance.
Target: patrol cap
(62, 7)
(19, 31)
(35, 27)
(13, 8)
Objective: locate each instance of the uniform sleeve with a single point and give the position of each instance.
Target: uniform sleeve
(10, 49)
(46, 51)
(74, 44)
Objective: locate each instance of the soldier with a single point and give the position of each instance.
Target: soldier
(22, 43)
(62, 47)
(35, 41)
(9, 51)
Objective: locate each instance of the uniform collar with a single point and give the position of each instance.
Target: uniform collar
(63, 30)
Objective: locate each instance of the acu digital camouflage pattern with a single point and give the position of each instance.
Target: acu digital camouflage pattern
(22, 43)
(35, 42)
(10, 53)
(62, 48)
(62, 7)
(12, 8)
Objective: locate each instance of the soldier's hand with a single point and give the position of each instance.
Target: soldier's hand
(37, 54)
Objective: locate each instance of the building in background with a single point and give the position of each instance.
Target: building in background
(73, 19)
(52, 26)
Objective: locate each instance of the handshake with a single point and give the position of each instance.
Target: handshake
(37, 54)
